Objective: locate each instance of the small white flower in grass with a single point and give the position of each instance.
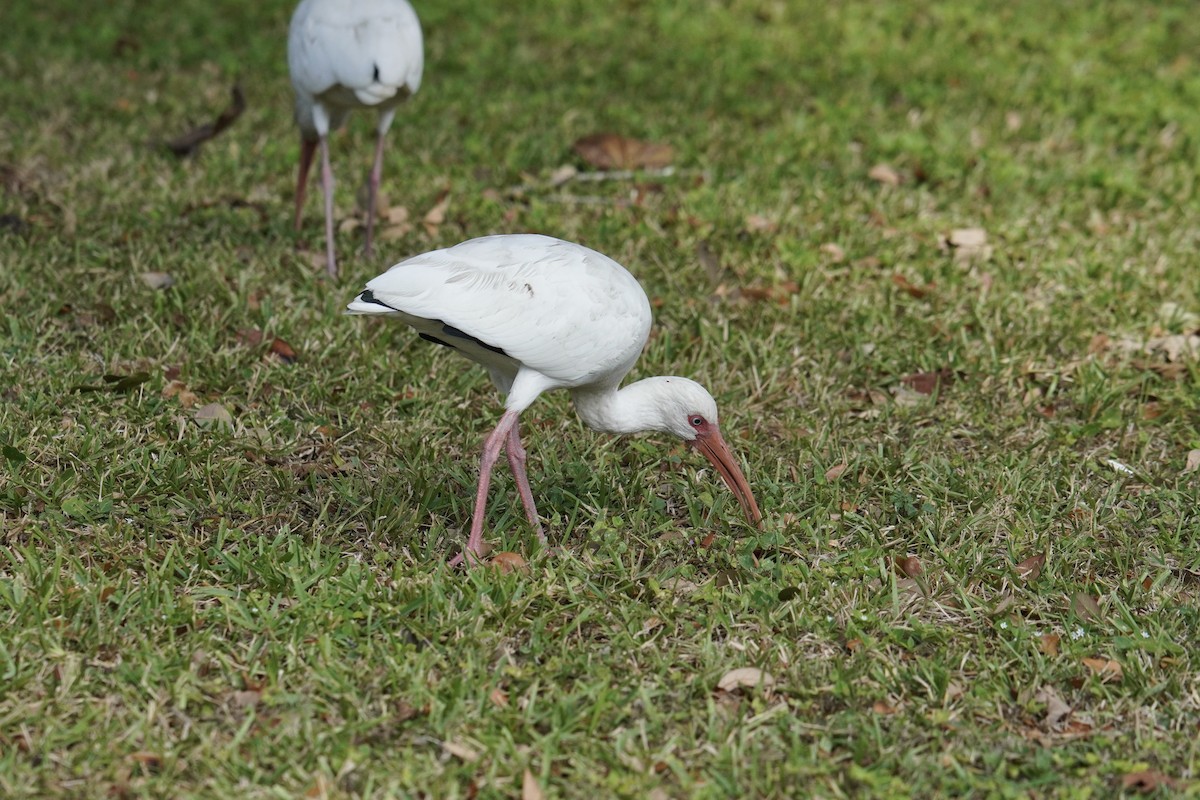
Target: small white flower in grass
(1003, 625)
(828, 618)
(1145, 634)
(863, 617)
(1077, 633)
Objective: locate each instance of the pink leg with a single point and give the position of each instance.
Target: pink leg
(492, 446)
(516, 460)
(373, 192)
(327, 185)
(307, 150)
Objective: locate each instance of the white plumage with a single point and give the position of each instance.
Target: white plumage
(539, 314)
(344, 55)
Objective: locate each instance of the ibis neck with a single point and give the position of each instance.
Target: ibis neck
(630, 410)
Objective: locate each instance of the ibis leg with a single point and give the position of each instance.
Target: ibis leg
(373, 192)
(327, 186)
(307, 150)
(516, 461)
(492, 446)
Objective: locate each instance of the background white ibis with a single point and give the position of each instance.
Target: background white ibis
(539, 314)
(343, 55)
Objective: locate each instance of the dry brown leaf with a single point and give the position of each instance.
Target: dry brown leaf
(213, 414)
(885, 174)
(530, 790)
(1106, 669)
(157, 280)
(1031, 568)
(834, 472)
(929, 382)
(853, 645)
(283, 350)
(969, 244)
(435, 216)
(1056, 709)
(1085, 606)
(146, 758)
(396, 215)
(246, 698)
(908, 566)
(1147, 781)
(836, 254)
(881, 707)
(744, 676)
(461, 751)
(507, 561)
(911, 289)
(499, 698)
(756, 223)
(249, 337)
(1193, 461)
(1048, 643)
(613, 151)
(563, 174)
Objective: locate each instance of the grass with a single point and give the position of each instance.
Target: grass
(262, 608)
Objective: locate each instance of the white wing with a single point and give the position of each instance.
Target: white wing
(349, 53)
(564, 310)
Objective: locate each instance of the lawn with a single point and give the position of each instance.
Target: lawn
(936, 261)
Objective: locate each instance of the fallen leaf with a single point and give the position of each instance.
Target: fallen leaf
(1056, 709)
(911, 289)
(146, 759)
(499, 698)
(284, 350)
(834, 472)
(563, 174)
(246, 698)
(1048, 643)
(188, 143)
(1106, 669)
(929, 382)
(1193, 461)
(530, 790)
(853, 645)
(1031, 568)
(835, 253)
(249, 337)
(435, 216)
(885, 174)
(1085, 606)
(461, 751)
(157, 280)
(756, 223)
(612, 151)
(908, 566)
(1147, 781)
(744, 676)
(213, 414)
(881, 707)
(507, 562)
(969, 244)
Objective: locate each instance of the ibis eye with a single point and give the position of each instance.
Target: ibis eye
(696, 421)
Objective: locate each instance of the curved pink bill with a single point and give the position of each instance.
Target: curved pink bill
(710, 443)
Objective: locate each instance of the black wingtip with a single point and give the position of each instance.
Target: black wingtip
(369, 297)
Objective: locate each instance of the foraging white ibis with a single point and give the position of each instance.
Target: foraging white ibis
(539, 314)
(344, 55)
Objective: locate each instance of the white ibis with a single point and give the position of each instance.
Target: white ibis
(343, 55)
(539, 314)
